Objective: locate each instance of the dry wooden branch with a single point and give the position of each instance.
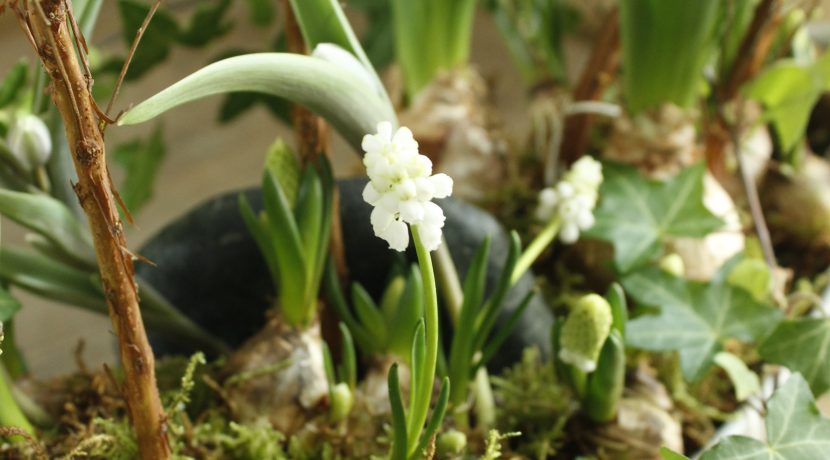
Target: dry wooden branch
(50, 28)
(595, 78)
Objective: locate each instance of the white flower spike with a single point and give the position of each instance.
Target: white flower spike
(573, 199)
(401, 188)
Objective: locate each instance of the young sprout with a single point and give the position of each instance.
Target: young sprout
(584, 332)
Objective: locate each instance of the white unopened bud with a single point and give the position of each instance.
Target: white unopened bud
(29, 141)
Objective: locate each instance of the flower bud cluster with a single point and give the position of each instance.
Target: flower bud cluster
(573, 199)
(401, 188)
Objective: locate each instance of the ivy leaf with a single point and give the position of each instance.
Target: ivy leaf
(636, 213)
(8, 305)
(141, 161)
(694, 318)
(208, 22)
(802, 345)
(745, 381)
(788, 91)
(795, 430)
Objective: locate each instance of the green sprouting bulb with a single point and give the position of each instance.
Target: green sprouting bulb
(584, 332)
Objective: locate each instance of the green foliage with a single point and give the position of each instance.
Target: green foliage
(745, 381)
(207, 23)
(261, 12)
(342, 381)
(430, 36)
(694, 318)
(157, 40)
(636, 213)
(665, 45)
(795, 429)
(141, 161)
(253, 442)
(294, 242)
(378, 36)
(8, 306)
(13, 82)
(534, 32)
(116, 440)
(52, 220)
(604, 386)
(802, 345)
(788, 90)
(535, 403)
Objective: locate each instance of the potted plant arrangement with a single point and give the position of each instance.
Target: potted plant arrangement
(641, 273)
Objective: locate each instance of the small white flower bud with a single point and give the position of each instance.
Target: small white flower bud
(29, 141)
(453, 442)
(573, 199)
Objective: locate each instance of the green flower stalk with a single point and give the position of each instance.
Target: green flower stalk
(10, 413)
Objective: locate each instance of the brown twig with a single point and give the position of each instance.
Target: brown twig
(49, 25)
(138, 35)
(594, 80)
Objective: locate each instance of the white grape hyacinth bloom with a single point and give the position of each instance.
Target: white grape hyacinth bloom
(573, 199)
(401, 188)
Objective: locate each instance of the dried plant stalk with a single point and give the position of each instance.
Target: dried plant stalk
(50, 23)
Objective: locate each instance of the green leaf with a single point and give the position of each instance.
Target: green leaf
(788, 91)
(604, 387)
(745, 381)
(349, 367)
(368, 313)
(408, 312)
(619, 308)
(8, 305)
(50, 218)
(281, 161)
(308, 214)
(207, 23)
(665, 46)
(343, 99)
(636, 213)
(141, 161)
(13, 82)
(669, 454)
(694, 318)
(335, 297)
(44, 277)
(235, 104)
(795, 429)
(157, 39)
(399, 439)
(261, 12)
(435, 419)
(802, 345)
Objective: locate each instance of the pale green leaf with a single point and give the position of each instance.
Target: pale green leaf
(141, 161)
(53, 220)
(665, 46)
(282, 162)
(694, 318)
(13, 82)
(802, 345)
(636, 213)
(788, 91)
(745, 381)
(795, 428)
(8, 305)
(669, 454)
(347, 102)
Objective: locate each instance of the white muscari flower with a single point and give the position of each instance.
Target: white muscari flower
(573, 199)
(401, 188)
(29, 141)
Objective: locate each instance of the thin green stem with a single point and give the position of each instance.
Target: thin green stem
(448, 281)
(534, 250)
(10, 413)
(418, 415)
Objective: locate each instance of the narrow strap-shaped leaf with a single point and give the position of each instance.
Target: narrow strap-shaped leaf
(368, 313)
(416, 368)
(409, 311)
(435, 420)
(307, 213)
(399, 446)
(605, 385)
(349, 368)
(488, 315)
(8, 305)
(619, 308)
(261, 237)
(327, 183)
(504, 332)
(335, 296)
(343, 99)
(328, 367)
(50, 218)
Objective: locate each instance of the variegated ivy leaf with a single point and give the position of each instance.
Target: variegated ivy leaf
(636, 213)
(796, 430)
(693, 318)
(803, 345)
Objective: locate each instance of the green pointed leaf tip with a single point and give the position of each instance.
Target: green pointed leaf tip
(665, 46)
(802, 345)
(635, 214)
(796, 430)
(694, 318)
(745, 381)
(788, 91)
(342, 98)
(13, 82)
(281, 161)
